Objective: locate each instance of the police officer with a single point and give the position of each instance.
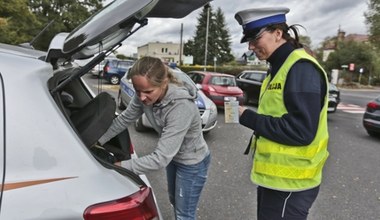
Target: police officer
(290, 125)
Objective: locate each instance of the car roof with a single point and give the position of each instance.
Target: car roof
(212, 73)
(254, 71)
(22, 51)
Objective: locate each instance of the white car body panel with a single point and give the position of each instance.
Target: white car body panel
(48, 150)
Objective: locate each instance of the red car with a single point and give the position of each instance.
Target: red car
(217, 86)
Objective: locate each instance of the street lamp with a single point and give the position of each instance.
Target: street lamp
(207, 23)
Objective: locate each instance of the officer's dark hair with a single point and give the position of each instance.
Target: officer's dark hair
(286, 35)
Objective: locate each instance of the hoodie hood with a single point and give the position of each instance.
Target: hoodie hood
(175, 92)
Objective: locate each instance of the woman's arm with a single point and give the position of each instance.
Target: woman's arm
(120, 123)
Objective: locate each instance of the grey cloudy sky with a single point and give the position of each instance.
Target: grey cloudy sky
(320, 18)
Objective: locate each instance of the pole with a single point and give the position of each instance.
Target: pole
(214, 64)
(180, 46)
(208, 18)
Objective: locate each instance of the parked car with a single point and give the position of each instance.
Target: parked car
(97, 71)
(51, 165)
(216, 86)
(207, 109)
(334, 98)
(250, 82)
(115, 69)
(371, 117)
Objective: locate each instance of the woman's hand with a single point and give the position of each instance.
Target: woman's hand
(118, 163)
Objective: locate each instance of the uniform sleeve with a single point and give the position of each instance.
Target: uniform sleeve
(303, 97)
(177, 123)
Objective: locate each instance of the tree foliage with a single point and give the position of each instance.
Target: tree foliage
(22, 20)
(222, 39)
(360, 54)
(218, 41)
(350, 52)
(66, 14)
(305, 40)
(17, 22)
(373, 21)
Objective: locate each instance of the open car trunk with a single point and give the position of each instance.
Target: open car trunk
(97, 37)
(90, 117)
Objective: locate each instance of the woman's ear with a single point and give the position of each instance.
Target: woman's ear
(278, 35)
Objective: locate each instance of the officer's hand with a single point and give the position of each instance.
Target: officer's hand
(241, 110)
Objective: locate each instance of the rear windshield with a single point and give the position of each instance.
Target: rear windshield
(223, 81)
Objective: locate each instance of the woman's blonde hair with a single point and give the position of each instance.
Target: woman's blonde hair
(154, 69)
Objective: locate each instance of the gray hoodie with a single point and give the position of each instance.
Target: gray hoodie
(176, 119)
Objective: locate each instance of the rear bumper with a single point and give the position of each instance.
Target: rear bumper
(371, 124)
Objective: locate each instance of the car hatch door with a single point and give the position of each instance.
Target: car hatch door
(2, 137)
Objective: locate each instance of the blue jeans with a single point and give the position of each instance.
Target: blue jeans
(185, 184)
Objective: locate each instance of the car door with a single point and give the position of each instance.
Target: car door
(257, 79)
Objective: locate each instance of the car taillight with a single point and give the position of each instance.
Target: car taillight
(138, 206)
(373, 105)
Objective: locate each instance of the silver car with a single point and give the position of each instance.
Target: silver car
(207, 108)
(50, 164)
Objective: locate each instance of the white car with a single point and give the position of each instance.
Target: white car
(50, 164)
(207, 108)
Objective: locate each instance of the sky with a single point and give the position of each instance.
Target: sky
(321, 19)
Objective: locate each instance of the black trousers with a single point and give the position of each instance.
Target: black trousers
(273, 204)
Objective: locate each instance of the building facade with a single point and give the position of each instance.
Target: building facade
(168, 52)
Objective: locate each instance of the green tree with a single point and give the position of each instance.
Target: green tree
(222, 39)
(197, 44)
(66, 14)
(17, 23)
(218, 41)
(351, 52)
(188, 48)
(305, 40)
(373, 21)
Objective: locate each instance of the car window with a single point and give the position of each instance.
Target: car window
(183, 77)
(197, 78)
(112, 62)
(223, 81)
(259, 77)
(124, 64)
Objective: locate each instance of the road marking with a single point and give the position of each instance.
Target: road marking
(350, 108)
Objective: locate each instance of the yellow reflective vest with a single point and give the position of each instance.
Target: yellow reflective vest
(282, 167)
